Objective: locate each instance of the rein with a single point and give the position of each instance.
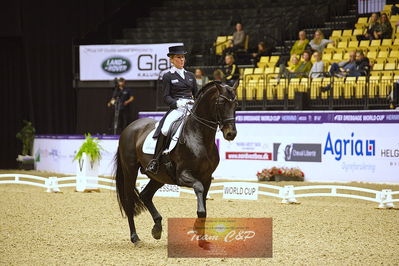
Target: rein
(219, 122)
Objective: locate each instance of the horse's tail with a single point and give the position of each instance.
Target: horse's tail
(127, 194)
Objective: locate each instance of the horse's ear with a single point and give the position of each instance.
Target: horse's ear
(218, 86)
(235, 86)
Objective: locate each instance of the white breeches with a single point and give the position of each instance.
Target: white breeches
(173, 116)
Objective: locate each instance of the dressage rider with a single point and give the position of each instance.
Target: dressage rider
(179, 87)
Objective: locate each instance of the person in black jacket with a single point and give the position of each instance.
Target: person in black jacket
(180, 88)
(231, 71)
(362, 63)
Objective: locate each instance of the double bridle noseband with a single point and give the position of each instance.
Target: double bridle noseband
(219, 121)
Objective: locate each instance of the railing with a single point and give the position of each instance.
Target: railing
(288, 194)
(267, 91)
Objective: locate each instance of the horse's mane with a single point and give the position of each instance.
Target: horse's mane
(206, 88)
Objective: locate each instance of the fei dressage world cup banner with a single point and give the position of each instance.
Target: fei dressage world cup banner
(132, 62)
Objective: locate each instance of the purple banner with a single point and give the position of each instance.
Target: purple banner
(47, 136)
(347, 117)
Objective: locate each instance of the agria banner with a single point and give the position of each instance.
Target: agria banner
(327, 146)
(132, 62)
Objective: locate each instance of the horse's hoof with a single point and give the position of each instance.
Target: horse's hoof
(135, 239)
(156, 231)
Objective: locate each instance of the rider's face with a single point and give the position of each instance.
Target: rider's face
(178, 60)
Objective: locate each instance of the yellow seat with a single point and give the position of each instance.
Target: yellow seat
(394, 54)
(349, 87)
(375, 43)
(337, 57)
(337, 87)
(394, 18)
(374, 82)
(221, 44)
(362, 20)
(372, 55)
(281, 88)
(391, 60)
(336, 33)
(360, 87)
(353, 44)
(386, 85)
(347, 33)
(327, 57)
(382, 54)
(248, 71)
(378, 67)
(274, 59)
(293, 86)
(250, 88)
(260, 90)
(304, 85)
(386, 43)
(364, 44)
(396, 42)
(315, 85)
(240, 90)
(380, 60)
(390, 66)
(324, 83)
(358, 31)
(271, 87)
(342, 45)
(269, 70)
(263, 61)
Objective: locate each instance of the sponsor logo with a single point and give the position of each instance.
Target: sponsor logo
(348, 147)
(298, 152)
(249, 156)
(116, 65)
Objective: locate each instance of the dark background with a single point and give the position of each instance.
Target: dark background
(36, 67)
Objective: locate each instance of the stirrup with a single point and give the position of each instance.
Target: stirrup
(152, 166)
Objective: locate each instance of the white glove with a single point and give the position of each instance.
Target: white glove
(180, 103)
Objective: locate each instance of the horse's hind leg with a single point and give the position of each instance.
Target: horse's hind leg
(146, 196)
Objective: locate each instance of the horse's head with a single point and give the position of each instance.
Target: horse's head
(226, 105)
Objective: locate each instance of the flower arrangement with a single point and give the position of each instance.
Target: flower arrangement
(283, 173)
(91, 147)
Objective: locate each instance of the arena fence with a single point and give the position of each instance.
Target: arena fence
(230, 190)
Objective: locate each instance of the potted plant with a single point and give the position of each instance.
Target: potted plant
(26, 135)
(88, 158)
(281, 174)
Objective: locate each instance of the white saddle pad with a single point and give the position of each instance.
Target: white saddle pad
(150, 142)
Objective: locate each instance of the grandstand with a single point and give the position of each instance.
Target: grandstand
(205, 27)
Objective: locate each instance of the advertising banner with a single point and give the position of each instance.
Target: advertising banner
(132, 62)
(360, 146)
(327, 146)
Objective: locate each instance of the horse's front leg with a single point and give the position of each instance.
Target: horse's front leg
(188, 180)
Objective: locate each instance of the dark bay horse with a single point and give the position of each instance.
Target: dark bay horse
(194, 159)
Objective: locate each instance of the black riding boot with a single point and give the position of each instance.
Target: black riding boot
(153, 165)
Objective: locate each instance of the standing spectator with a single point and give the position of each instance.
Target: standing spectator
(318, 66)
(262, 51)
(371, 29)
(362, 63)
(121, 99)
(231, 71)
(318, 43)
(305, 66)
(300, 45)
(200, 78)
(384, 30)
(238, 41)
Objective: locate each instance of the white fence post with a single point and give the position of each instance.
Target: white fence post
(385, 198)
(52, 184)
(288, 195)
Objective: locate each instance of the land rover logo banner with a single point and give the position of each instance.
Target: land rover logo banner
(133, 62)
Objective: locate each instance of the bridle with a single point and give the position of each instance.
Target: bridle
(219, 121)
